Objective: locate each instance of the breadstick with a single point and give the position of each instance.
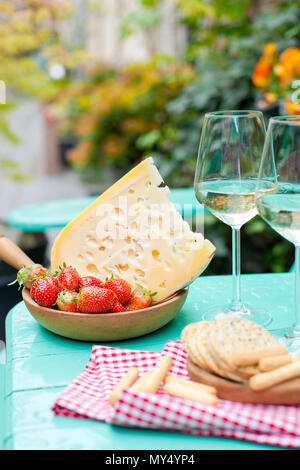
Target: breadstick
(151, 385)
(140, 383)
(273, 362)
(182, 390)
(128, 379)
(192, 384)
(268, 379)
(249, 358)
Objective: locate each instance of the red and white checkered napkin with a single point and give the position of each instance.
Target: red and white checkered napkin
(87, 395)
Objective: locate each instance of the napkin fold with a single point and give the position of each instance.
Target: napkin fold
(87, 397)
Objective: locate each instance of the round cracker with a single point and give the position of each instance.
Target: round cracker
(186, 335)
(237, 334)
(230, 370)
(202, 348)
(198, 337)
(186, 331)
(226, 371)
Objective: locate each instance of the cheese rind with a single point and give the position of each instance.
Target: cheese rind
(133, 231)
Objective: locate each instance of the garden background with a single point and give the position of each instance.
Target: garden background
(101, 84)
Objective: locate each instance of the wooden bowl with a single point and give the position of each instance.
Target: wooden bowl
(106, 326)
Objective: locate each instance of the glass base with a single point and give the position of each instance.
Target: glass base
(241, 311)
(289, 338)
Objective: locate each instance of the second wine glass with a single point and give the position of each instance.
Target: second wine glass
(280, 167)
(229, 155)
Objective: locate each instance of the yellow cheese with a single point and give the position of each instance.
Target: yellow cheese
(133, 231)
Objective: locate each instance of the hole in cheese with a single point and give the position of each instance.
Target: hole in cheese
(90, 256)
(92, 268)
(122, 267)
(107, 242)
(132, 253)
(140, 272)
(92, 243)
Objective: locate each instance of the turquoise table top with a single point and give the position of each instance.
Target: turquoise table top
(40, 364)
(54, 214)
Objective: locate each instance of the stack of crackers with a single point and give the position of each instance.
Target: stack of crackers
(241, 351)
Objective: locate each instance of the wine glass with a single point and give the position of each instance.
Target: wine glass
(280, 167)
(229, 155)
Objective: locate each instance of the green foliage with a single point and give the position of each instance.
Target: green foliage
(11, 169)
(122, 116)
(31, 42)
(139, 20)
(118, 121)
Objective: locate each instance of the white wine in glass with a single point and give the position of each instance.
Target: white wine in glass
(229, 155)
(280, 166)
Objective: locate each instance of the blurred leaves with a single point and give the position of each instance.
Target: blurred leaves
(5, 130)
(11, 169)
(121, 116)
(137, 19)
(31, 42)
(118, 117)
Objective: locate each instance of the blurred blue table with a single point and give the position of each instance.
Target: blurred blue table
(40, 364)
(56, 214)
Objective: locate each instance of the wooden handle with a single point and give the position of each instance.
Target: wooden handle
(12, 254)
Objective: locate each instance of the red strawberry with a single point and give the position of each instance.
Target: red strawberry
(44, 291)
(89, 281)
(118, 307)
(68, 279)
(94, 299)
(129, 306)
(120, 287)
(66, 301)
(27, 275)
(140, 298)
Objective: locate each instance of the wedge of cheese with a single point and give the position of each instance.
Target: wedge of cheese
(134, 232)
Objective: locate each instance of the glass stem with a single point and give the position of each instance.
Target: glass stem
(296, 324)
(236, 268)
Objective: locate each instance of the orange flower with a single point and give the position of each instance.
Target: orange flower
(291, 108)
(262, 67)
(85, 124)
(261, 74)
(270, 50)
(80, 153)
(271, 97)
(290, 61)
(291, 55)
(279, 70)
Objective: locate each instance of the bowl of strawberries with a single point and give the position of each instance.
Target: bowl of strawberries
(90, 309)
